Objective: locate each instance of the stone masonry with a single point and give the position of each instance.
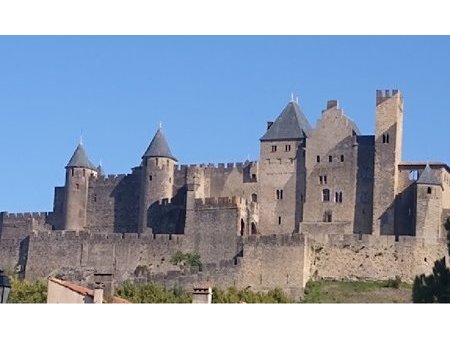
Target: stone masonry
(320, 202)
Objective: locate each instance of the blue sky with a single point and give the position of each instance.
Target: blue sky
(212, 94)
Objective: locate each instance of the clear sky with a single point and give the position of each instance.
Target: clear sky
(212, 94)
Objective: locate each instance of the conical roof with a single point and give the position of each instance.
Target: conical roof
(290, 124)
(429, 176)
(159, 147)
(79, 159)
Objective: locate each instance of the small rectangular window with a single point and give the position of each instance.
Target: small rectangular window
(325, 179)
(274, 149)
(279, 220)
(330, 158)
(150, 178)
(288, 147)
(320, 179)
(342, 158)
(77, 186)
(318, 159)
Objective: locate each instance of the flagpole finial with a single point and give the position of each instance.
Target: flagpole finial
(292, 97)
(160, 124)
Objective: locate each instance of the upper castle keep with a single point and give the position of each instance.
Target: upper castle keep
(321, 202)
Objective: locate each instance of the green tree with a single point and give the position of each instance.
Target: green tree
(152, 293)
(189, 259)
(434, 288)
(27, 291)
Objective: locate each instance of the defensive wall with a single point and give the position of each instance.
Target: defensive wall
(118, 254)
(19, 225)
(368, 257)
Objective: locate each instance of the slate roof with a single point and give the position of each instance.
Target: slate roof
(159, 147)
(429, 176)
(79, 159)
(290, 124)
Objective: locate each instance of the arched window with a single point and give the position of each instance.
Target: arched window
(254, 198)
(326, 195)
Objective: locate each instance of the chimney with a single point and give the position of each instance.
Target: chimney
(202, 295)
(106, 280)
(332, 104)
(269, 124)
(98, 293)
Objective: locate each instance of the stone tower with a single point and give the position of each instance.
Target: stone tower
(156, 181)
(78, 171)
(282, 171)
(429, 204)
(388, 155)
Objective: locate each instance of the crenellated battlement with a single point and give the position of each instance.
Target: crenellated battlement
(107, 179)
(24, 215)
(382, 96)
(275, 240)
(219, 202)
(105, 237)
(215, 167)
(342, 240)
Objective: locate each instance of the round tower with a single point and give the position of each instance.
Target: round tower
(156, 181)
(78, 171)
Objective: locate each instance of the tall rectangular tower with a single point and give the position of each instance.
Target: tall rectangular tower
(388, 154)
(282, 172)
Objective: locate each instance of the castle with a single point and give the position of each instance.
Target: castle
(322, 202)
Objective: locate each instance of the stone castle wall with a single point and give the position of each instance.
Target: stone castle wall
(19, 225)
(113, 203)
(368, 257)
(109, 253)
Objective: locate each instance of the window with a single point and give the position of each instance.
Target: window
(287, 147)
(429, 190)
(150, 177)
(323, 179)
(318, 159)
(338, 197)
(274, 149)
(84, 172)
(170, 179)
(77, 186)
(326, 195)
(385, 138)
(254, 176)
(327, 216)
(73, 172)
(254, 198)
(242, 227)
(279, 194)
(95, 197)
(342, 158)
(167, 162)
(330, 158)
(279, 220)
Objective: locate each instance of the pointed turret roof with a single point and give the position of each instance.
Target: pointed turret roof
(429, 176)
(79, 159)
(290, 124)
(159, 147)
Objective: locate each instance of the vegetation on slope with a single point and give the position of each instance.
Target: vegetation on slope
(29, 292)
(327, 291)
